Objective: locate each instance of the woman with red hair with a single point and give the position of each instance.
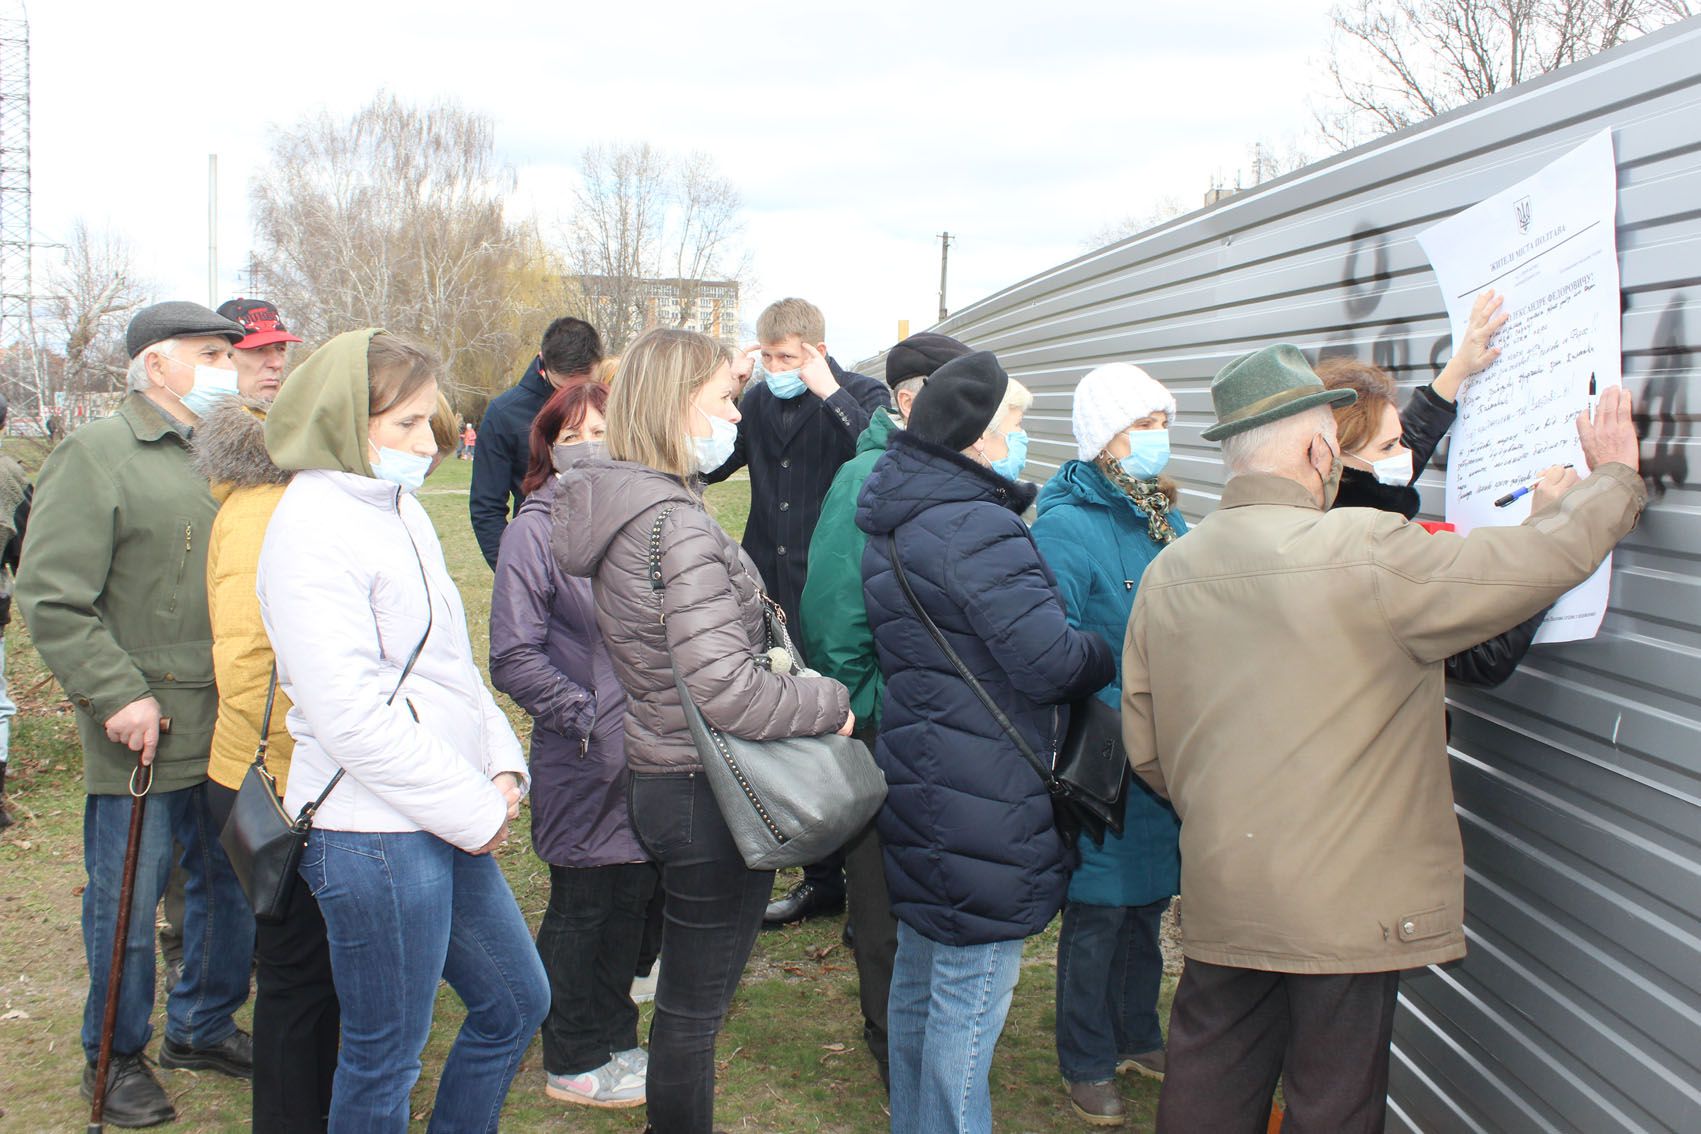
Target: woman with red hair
(547, 654)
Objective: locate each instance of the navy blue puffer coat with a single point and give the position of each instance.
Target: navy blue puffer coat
(972, 855)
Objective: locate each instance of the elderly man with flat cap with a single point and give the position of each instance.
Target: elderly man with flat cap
(1282, 685)
(114, 589)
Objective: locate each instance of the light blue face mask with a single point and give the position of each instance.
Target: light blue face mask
(786, 384)
(1148, 453)
(405, 470)
(1010, 466)
(712, 451)
(212, 385)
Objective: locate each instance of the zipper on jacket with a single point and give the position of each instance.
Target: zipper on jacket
(182, 564)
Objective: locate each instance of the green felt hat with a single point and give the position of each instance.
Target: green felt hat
(1264, 386)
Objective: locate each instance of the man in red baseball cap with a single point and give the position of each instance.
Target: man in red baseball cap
(261, 354)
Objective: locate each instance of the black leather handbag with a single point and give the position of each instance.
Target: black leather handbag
(1088, 775)
(263, 843)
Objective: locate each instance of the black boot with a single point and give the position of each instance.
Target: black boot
(5, 816)
(133, 1096)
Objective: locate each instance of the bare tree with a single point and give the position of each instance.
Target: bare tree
(89, 299)
(614, 241)
(706, 218)
(394, 218)
(648, 222)
(1396, 62)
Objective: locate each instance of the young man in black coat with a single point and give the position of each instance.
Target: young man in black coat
(800, 423)
(570, 352)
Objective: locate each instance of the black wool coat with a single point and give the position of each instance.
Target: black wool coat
(793, 447)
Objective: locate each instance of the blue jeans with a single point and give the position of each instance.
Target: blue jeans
(218, 926)
(946, 1013)
(401, 911)
(1109, 967)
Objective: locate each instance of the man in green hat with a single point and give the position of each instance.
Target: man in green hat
(1282, 687)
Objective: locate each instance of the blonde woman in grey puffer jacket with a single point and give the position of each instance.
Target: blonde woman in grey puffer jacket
(672, 414)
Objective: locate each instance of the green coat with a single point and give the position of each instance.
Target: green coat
(114, 588)
(834, 634)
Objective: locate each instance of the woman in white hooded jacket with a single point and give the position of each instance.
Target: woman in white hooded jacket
(394, 728)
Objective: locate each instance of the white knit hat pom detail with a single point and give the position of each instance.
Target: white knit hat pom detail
(1111, 398)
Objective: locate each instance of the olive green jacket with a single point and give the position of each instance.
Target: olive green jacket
(114, 588)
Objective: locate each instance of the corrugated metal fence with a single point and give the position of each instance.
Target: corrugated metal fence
(1578, 782)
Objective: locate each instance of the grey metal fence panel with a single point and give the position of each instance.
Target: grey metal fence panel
(1578, 783)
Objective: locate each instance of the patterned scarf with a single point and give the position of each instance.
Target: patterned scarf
(1147, 497)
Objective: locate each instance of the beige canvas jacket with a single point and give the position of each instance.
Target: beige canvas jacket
(1282, 685)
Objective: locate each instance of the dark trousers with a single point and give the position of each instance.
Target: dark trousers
(297, 1021)
(876, 937)
(588, 941)
(828, 875)
(1234, 1032)
(712, 913)
(1109, 969)
(650, 947)
(296, 1018)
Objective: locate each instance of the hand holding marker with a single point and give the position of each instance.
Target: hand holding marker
(1520, 493)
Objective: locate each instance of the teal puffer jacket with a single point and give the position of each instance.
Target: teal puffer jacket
(1096, 541)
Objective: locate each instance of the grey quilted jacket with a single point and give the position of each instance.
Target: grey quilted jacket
(708, 609)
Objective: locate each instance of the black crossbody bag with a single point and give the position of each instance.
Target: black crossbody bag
(1088, 777)
(263, 843)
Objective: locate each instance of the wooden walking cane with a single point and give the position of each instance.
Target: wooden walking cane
(141, 780)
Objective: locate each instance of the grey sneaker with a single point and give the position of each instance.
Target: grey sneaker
(611, 1085)
(635, 1060)
(1147, 1063)
(1098, 1104)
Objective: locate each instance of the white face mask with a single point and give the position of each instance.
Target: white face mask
(1395, 470)
(712, 451)
(212, 385)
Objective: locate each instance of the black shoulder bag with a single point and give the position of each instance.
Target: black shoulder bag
(263, 843)
(1088, 778)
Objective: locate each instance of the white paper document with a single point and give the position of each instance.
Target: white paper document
(1548, 245)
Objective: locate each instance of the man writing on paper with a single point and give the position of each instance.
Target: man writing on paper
(1282, 686)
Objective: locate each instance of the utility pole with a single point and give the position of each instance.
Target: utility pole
(944, 254)
(17, 295)
(212, 230)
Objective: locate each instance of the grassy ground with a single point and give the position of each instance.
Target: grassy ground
(791, 1057)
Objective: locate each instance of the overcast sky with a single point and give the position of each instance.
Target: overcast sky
(855, 132)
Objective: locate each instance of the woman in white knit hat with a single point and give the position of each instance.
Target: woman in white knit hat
(1102, 519)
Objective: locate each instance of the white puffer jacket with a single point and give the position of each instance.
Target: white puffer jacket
(344, 604)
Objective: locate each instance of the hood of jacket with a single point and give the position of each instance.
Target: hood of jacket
(229, 448)
(916, 475)
(596, 498)
(319, 419)
(877, 438)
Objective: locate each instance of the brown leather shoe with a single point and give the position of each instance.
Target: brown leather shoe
(1147, 1063)
(1097, 1103)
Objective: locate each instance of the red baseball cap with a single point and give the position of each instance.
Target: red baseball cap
(260, 320)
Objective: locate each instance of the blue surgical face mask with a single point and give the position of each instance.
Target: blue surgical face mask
(212, 385)
(1148, 453)
(713, 450)
(403, 469)
(1010, 466)
(786, 384)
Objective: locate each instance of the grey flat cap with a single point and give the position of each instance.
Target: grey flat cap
(173, 319)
